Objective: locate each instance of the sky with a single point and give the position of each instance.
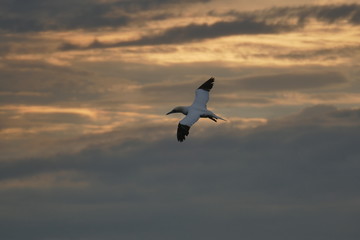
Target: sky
(87, 151)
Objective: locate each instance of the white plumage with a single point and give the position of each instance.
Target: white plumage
(196, 110)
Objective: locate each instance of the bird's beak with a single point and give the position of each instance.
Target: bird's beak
(172, 111)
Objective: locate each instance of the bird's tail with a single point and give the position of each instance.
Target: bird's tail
(221, 118)
(217, 117)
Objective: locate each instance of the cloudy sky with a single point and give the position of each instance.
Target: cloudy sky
(87, 151)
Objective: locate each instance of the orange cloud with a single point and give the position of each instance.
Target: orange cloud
(91, 113)
(61, 179)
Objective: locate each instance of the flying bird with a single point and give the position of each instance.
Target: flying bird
(195, 111)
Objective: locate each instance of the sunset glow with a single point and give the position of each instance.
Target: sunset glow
(88, 152)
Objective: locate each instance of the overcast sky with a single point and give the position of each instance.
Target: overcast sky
(87, 151)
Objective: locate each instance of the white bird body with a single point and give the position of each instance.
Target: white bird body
(196, 110)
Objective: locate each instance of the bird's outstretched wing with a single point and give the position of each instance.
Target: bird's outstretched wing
(185, 124)
(207, 86)
(182, 131)
(202, 93)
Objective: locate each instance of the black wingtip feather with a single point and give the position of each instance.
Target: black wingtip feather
(182, 131)
(208, 84)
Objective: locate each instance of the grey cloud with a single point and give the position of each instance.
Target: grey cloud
(157, 92)
(253, 90)
(323, 53)
(53, 83)
(194, 32)
(284, 179)
(331, 13)
(320, 115)
(39, 83)
(93, 83)
(250, 100)
(256, 84)
(39, 15)
(351, 115)
(32, 16)
(290, 81)
(33, 120)
(269, 21)
(26, 43)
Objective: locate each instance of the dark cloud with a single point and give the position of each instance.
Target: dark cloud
(103, 84)
(260, 84)
(194, 32)
(290, 81)
(39, 15)
(221, 100)
(323, 53)
(49, 83)
(320, 115)
(331, 13)
(20, 16)
(269, 21)
(284, 178)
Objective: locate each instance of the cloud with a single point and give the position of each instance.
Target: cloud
(322, 53)
(22, 16)
(290, 82)
(19, 16)
(276, 20)
(209, 186)
(326, 116)
(329, 13)
(60, 179)
(248, 90)
(193, 32)
(35, 81)
(332, 13)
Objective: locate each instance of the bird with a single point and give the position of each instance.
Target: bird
(195, 111)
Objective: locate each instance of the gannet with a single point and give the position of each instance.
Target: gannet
(196, 110)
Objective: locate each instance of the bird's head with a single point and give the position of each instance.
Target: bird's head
(177, 110)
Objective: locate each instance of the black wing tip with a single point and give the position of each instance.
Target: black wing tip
(182, 131)
(207, 86)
